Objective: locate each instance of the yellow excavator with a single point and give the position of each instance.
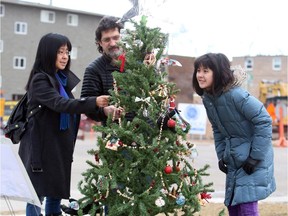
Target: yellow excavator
(274, 94)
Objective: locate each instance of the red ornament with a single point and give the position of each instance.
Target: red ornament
(168, 169)
(171, 123)
(156, 150)
(177, 169)
(205, 196)
(172, 104)
(96, 157)
(120, 143)
(152, 184)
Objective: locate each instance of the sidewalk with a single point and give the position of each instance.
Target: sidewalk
(206, 155)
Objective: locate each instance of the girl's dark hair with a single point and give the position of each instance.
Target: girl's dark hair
(46, 54)
(106, 23)
(222, 74)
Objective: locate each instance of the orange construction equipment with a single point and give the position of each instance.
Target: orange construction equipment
(282, 140)
(272, 111)
(274, 93)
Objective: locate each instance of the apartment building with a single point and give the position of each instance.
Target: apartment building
(270, 68)
(22, 26)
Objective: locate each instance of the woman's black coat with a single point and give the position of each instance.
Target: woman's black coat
(47, 151)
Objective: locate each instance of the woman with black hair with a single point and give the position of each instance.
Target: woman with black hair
(47, 146)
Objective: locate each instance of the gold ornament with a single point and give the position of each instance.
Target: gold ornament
(149, 59)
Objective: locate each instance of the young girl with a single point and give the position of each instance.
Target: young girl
(47, 146)
(242, 130)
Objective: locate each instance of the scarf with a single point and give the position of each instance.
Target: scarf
(64, 117)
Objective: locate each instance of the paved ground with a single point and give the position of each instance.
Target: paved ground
(207, 155)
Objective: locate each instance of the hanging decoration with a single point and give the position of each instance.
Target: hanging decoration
(150, 59)
(170, 62)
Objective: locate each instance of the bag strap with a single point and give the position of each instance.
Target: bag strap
(33, 112)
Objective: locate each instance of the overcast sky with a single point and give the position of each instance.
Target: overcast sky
(233, 27)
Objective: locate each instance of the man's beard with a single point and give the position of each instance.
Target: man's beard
(115, 54)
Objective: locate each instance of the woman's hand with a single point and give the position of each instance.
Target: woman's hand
(116, 112)
(102, 101)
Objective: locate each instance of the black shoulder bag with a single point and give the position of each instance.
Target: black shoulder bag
(16, 124)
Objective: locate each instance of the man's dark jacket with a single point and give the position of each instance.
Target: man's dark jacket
(98, 80)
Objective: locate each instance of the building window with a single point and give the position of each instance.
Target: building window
(20, 28)
(74, 53)
(48, 16)
(72, 19)
(249, 64)
(276, 63)
(1, 46)
(19, 62)
(2, 10)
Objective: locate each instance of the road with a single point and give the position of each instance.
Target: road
(206, 155)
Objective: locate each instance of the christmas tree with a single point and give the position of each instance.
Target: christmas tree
(143, 165)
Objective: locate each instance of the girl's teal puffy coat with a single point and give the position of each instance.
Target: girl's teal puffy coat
(245, 130)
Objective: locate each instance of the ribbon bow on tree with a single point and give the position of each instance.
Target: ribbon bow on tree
(146, 100)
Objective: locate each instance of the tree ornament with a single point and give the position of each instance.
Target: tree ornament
(170, 62)
(134, 145)
(172, 104)
(202, 197)
(138, 43)
(160, 202)
(120, 143)
(156, 150)
(162, 90)
(185, 126)
(132, 12)
(168, 169)
(194, 153)
(74, 205)
(180, 200)
(177, 168)
(173, 192)
(171, 123)
(205, 196)
(96, 156)
(145, 113)
(149, 59)
(152, 184)
(112, 144)
(163, 119)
